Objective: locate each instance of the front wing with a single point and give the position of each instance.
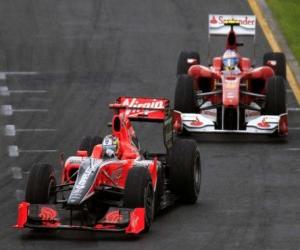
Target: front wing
(264, 124)
(48, 216)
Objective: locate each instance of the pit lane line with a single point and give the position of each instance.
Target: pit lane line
(14, 151)
(274, 45)
(8, 110)
(4, 91)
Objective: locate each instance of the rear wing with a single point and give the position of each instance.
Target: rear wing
(149, 110)
(220, 25)
(244, 25)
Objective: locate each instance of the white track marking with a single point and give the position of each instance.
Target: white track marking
(13, 151)
(17, 173)
(38, 150)
(8, 110)
(293, 149)
(30, 110)
(293, 109)
(294, 128)
(36, 130)
(2, 76)
(4, 91)
(27, 91)
(19, 73)
(11, 130)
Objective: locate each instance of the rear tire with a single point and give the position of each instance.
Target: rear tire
(184, 95)
(139, 193)
(185, 169)
(275, 96)
(182, 64)
(280, 68)
(41, 184)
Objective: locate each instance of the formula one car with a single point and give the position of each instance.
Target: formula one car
(111, 184)
(231, 95)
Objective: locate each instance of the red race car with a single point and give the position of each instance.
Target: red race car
(112, 184)
(231, 95)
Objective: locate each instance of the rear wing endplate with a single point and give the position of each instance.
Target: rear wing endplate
(149, 110)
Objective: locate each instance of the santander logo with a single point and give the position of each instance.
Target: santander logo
(244, 20)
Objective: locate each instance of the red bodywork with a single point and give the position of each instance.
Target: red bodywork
(213, 78)
(114, 174)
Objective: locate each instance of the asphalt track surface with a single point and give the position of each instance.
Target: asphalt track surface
(87, 53)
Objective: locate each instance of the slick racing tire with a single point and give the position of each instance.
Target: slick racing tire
(41, 184)
(139, 193)
(184, 95)
(280, 68)
(185, 169)
(275, 96)
(88, 143)
(182, 63)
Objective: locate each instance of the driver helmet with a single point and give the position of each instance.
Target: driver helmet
(110, 146)
(230, 60)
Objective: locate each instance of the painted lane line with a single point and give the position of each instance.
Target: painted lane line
(14, 151)
(17, 173)
(8, 110)
(293, 109)
(293, 149)
(19, 73)
(294, 128)
(27, 91)
(38, 150)
(2, 76)
(4, 91)
(11, 130)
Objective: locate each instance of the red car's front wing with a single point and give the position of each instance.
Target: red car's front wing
(40, 216)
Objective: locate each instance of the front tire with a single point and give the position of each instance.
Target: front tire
(182, 63)
(139, 193)
(185, 169)
(280, 68)
(275, 96)
(41, 184)
(184, 95)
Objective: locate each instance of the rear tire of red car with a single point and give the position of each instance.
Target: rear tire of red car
(275, 96)
(184, 95)
(88, 143)
(185, 169)
(41, 184)
(139, 193)
(280, 68)
(183, 65)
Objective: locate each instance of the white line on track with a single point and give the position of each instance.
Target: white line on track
(17, 173)
(293, 149)
(11, 130)
(294, 128)
(19, 73)
(8, 110)
(2, 76)
(4, 91)
(14, 151)
(293, 109)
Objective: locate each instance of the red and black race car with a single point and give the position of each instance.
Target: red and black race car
(231, 95)
(112, 184)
